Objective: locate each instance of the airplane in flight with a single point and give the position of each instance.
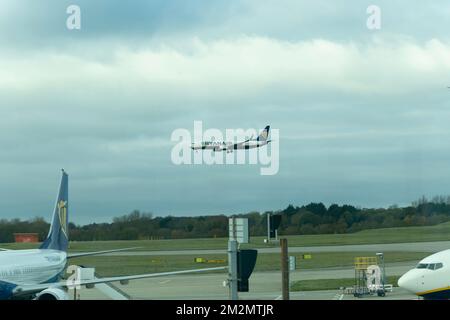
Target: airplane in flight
(430, 279)
(218, 146)
(37, 273)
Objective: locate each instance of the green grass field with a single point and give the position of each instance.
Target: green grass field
(121, 265)
(331, 284)
(389, 235)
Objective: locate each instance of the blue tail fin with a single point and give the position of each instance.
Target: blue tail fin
(58, 236)
(264, 134)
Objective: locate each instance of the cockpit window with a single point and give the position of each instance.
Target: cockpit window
(438, 266)
(430, 266)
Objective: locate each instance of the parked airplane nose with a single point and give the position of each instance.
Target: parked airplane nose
(409, 281)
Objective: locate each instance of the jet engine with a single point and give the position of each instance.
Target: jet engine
(52, 294)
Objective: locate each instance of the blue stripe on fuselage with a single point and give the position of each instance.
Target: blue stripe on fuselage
(6, 290)
(439, 295)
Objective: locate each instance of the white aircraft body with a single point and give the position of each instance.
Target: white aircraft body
(229, 147)
(430, 279)
(36, 274)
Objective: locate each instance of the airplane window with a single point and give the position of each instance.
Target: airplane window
(430, 266)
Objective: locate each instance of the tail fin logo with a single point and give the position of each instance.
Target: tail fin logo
(62, 213)
(264, 134)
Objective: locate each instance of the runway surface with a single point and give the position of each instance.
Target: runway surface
(263, 285)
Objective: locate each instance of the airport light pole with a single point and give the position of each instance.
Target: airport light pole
(232, 261)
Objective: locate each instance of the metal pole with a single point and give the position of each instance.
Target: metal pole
(233, 224)
(268, 227)
(384, 273)
(232, 269)
(284, 269)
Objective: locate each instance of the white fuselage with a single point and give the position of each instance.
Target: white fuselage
(430, 278)
(27, 267)
(229, 146)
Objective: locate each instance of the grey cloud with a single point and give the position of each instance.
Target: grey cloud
(362, 118)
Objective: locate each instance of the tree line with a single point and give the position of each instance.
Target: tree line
(314, 218)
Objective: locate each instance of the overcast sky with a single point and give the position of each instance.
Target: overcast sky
(363, 114)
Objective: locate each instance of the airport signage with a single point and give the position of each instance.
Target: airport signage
(238, 230)
(292, 263)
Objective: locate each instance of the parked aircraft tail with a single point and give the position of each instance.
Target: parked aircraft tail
(58, 236)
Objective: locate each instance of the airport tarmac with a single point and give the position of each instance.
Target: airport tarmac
(263, 285)
(385, 247)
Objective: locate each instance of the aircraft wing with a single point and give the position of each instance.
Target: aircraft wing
(32, 289)
(94, 253)
(237, 145)
(243, 142)
(85, 254)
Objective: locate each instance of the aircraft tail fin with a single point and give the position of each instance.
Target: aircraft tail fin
(264, 134)
(58, 236)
